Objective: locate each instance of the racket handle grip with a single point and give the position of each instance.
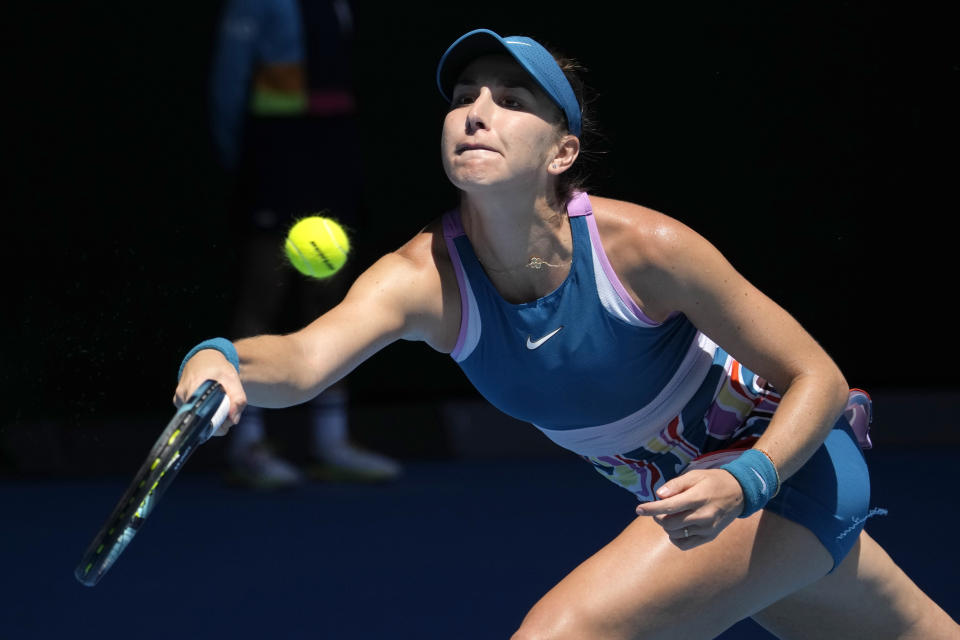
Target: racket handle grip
(219, 416)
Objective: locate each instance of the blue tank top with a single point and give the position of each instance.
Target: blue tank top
(583, 355)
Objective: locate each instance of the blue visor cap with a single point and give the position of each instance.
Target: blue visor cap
(528, 52)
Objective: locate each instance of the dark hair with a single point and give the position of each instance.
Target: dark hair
(575, 178)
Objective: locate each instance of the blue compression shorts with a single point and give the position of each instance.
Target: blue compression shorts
(830, 494)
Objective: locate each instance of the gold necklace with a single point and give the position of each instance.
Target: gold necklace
(536, 262)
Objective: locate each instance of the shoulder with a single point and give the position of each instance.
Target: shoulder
(642, 234)
(651, 252)
(418, 281)
(424, 258)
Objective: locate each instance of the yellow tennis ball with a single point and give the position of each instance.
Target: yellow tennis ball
(317, 246)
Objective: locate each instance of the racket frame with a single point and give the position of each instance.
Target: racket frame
(194, 422)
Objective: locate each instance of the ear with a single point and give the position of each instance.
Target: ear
(567, 151)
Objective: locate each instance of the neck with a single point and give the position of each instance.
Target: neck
(508, 230)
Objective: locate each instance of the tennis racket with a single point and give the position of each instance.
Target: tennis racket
(194, 422)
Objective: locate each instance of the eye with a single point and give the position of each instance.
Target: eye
(461, 99)
(511, 102)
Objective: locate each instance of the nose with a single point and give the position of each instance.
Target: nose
(478, 117)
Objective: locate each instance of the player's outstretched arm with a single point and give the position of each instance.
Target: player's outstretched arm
(400, 297)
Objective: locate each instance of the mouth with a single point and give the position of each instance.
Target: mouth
(462, 148)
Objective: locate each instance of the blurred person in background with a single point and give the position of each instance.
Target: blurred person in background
(284, 123)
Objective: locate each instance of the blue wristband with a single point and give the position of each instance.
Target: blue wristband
(758, 478)
(222, 345)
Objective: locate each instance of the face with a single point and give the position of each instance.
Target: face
(502, 129)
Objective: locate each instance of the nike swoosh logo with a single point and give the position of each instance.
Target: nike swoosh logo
(534, 344)
(763, 483)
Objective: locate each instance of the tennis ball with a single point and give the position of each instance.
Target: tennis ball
(317, 246)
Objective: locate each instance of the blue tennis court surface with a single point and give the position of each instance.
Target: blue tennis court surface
(453, 550)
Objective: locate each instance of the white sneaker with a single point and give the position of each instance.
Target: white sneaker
(259, 468)
(348, 463)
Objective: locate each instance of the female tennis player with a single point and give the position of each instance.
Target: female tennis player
(628, 338)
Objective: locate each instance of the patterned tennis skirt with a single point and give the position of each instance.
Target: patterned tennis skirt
(730, 410)
(830, 494)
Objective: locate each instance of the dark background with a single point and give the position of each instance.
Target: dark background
(815, 145)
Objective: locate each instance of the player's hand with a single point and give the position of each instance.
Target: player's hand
(696, 506)
(210, 364)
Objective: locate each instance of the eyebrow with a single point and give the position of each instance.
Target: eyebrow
(511, 81)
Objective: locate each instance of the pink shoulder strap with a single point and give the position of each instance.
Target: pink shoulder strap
(452, 226)
(579, 205)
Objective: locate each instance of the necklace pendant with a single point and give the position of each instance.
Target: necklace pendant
(536, 262)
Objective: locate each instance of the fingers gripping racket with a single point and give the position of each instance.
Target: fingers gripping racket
(195, 421)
